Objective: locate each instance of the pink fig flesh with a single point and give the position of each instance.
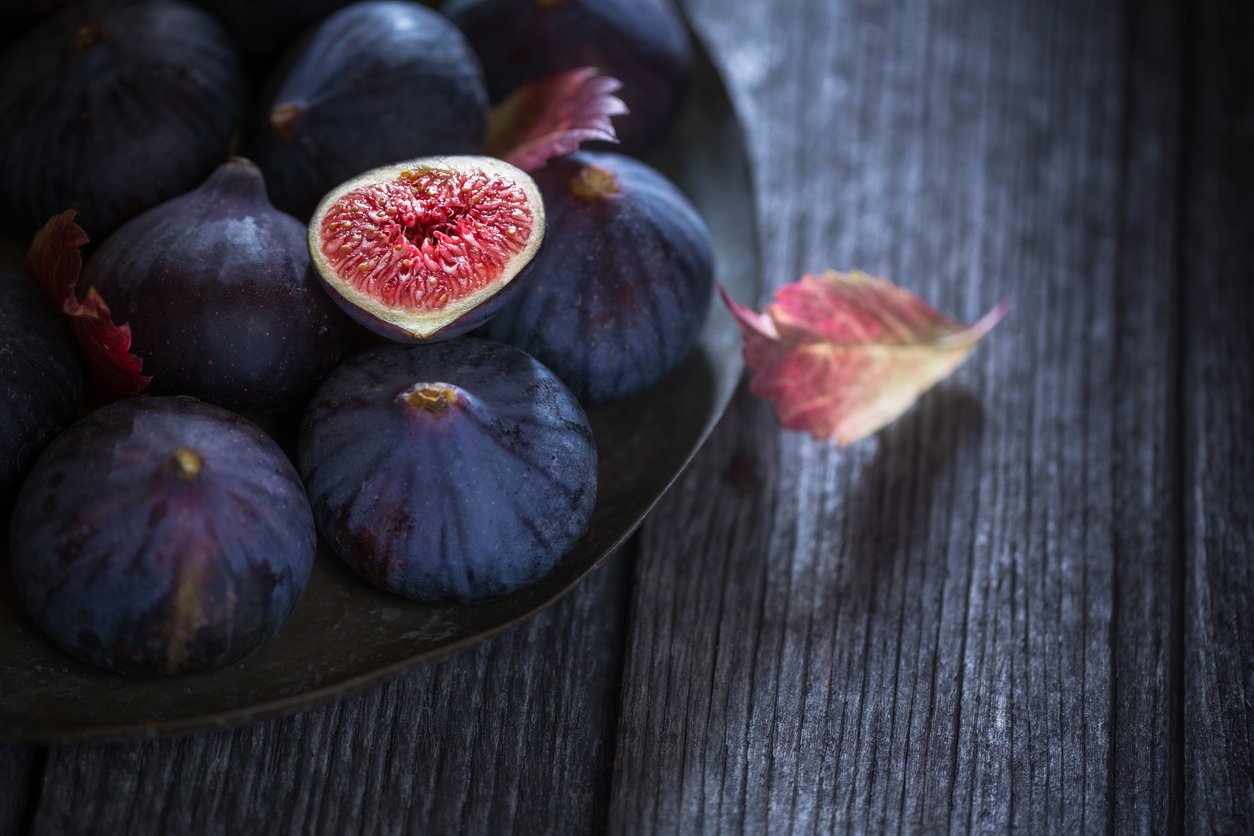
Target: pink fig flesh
(424, 250)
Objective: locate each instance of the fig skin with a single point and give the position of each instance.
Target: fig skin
(622, 285)
(222, 302)
(375, 83)
(112, 107)
(459, 499)
(41, 378)
(642, 43)
(161, 536)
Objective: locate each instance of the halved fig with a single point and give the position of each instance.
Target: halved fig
(427, 249)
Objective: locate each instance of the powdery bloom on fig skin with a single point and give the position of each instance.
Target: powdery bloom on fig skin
(843, 354)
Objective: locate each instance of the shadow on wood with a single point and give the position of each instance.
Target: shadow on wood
(892, 503)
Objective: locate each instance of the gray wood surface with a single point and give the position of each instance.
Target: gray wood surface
(1027, 605)
(1218, 455)
(966, 623)
(20, 768)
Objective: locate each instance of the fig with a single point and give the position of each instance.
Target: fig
(427, 249)
(41, 378)
(642, 43)
(620, 290)
(452, 472)
(161, 536)
(219, 295)
(113, 107)
(375, 83)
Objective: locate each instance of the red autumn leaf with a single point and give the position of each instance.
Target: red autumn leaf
(106, 345)
(843, 354)
(55, 262)
(552, 117)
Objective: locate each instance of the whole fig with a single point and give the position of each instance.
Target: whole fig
(618, 293)
(161, 536)
(112, 107)
(458, 471)
(375, 83)
(218, 292)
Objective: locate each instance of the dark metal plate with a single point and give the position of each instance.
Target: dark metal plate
(345, 633)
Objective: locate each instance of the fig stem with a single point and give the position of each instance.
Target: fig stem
(434, 398)
(593, 181)
(187, 463)
(283, 119)
(84, 36)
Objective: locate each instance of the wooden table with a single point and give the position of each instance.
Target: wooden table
(1030, 603)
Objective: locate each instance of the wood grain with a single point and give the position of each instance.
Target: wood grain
(1144, 772)
(1218, 391)
(966, 624)
(20, 770)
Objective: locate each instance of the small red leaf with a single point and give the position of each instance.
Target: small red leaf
(843, 354)
(55, 263)
(552, 117)
(107, 348)
(54, 260)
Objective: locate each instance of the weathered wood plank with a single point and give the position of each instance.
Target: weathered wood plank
(20, 769)
(1218, 393)
(1144, 772)
(515, 735)
(921, 632)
